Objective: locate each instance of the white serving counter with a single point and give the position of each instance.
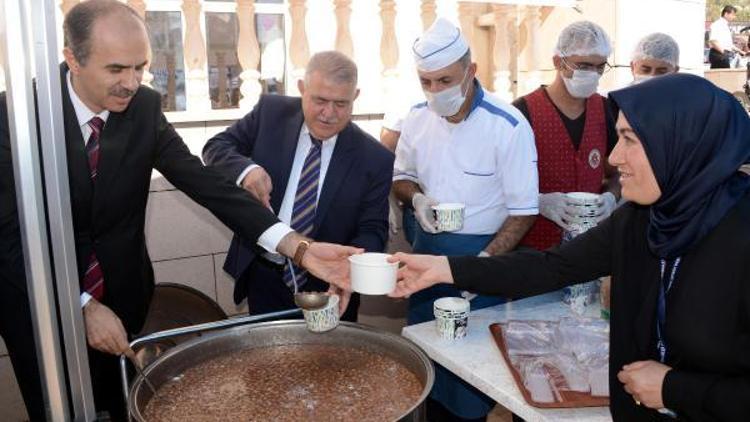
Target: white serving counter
(477, 359)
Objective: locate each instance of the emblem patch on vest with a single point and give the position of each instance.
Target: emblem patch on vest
(595, 158)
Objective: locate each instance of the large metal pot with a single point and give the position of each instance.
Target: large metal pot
(276, 333)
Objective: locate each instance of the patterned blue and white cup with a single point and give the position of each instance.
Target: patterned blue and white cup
(451, 317)
(324, 319)
(449, 216)
(585, 204)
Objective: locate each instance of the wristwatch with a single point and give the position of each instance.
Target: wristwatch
(302, 247)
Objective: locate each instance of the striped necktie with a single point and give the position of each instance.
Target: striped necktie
(305, 203)
(93, 279)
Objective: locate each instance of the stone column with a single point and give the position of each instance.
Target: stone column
(428, 14)
(532, 18)
(140, 7)
(248, 53)
(477, 37)
(343, 10)
(502, 52)
(389, 54)
(299, 52)
(196, 80)
(388, 43)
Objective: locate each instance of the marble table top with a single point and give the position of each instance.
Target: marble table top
(479, 362)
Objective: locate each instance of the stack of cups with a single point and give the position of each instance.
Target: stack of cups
(586, 205)
(451, 317)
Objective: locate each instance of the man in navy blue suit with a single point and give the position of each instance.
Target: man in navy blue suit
(318, 171)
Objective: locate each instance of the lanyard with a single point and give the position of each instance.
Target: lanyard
(661, 309)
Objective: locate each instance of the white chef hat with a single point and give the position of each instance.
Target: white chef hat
(440, 46)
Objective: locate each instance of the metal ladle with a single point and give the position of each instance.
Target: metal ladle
(311, 301)
(308, 301)
(130, 354)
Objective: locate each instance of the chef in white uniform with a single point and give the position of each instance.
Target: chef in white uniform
(462, 145)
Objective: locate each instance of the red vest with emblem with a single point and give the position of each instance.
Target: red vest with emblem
(561, 167)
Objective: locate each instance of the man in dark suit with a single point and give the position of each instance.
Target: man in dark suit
(115, 135)
(316, 170)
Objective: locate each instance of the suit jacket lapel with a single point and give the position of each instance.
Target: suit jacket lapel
(78, 165)
(113, 143)
(289, 136)
(341, 162)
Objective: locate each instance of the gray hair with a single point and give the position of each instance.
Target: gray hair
(657, 46)
(335, 66)
(80, 21)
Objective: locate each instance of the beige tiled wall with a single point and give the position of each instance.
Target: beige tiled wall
(186, 242)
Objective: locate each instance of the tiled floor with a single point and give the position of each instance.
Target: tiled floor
(11, 403)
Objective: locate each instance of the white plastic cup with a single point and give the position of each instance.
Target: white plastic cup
(324, 319)
(451, 317)
(372, 274)
(449, 216)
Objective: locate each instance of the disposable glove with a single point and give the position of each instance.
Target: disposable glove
(424, 213)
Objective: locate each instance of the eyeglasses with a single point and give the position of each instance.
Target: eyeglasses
(589, 67)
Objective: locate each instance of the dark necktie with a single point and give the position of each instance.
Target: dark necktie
(93, 279)
(305, 203)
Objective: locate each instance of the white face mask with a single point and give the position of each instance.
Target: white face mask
(447, 102)
(638, 78)
(583, 84)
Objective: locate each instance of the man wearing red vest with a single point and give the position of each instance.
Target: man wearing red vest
(574, 132)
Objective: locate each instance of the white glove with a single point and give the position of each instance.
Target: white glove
(553, 206)
(423, 212)
(607, 207)
(468, 295)
(483, 254)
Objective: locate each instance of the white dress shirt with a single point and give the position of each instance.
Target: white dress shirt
(84, 115)
(487, 161)
(721, 34)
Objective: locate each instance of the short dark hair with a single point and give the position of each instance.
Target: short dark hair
(465, 60)
(80, 20)
(728, 9)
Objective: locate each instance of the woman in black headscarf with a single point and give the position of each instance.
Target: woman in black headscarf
(677, 253)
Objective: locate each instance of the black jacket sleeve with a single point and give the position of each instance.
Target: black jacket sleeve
(206, 186)
(527, 273)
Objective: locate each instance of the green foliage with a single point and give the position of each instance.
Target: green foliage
(713, 9)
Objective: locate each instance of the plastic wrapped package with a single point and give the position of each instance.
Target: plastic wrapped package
(585, 338)
(599, 377)
(530, 337)
(536, 380)
(576, 377)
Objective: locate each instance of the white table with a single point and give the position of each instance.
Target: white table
(479, 362)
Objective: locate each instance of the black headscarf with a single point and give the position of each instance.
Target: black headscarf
(696, 137)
